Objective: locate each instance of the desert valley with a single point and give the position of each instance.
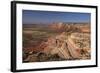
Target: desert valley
(57, 41)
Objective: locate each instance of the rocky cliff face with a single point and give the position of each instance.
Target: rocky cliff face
(60, 47)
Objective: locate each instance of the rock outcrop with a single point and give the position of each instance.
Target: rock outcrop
(62, 46)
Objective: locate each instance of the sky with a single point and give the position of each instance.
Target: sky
(32, 16)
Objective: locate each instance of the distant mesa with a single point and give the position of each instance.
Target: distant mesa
(73, 27)
(57, 26)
